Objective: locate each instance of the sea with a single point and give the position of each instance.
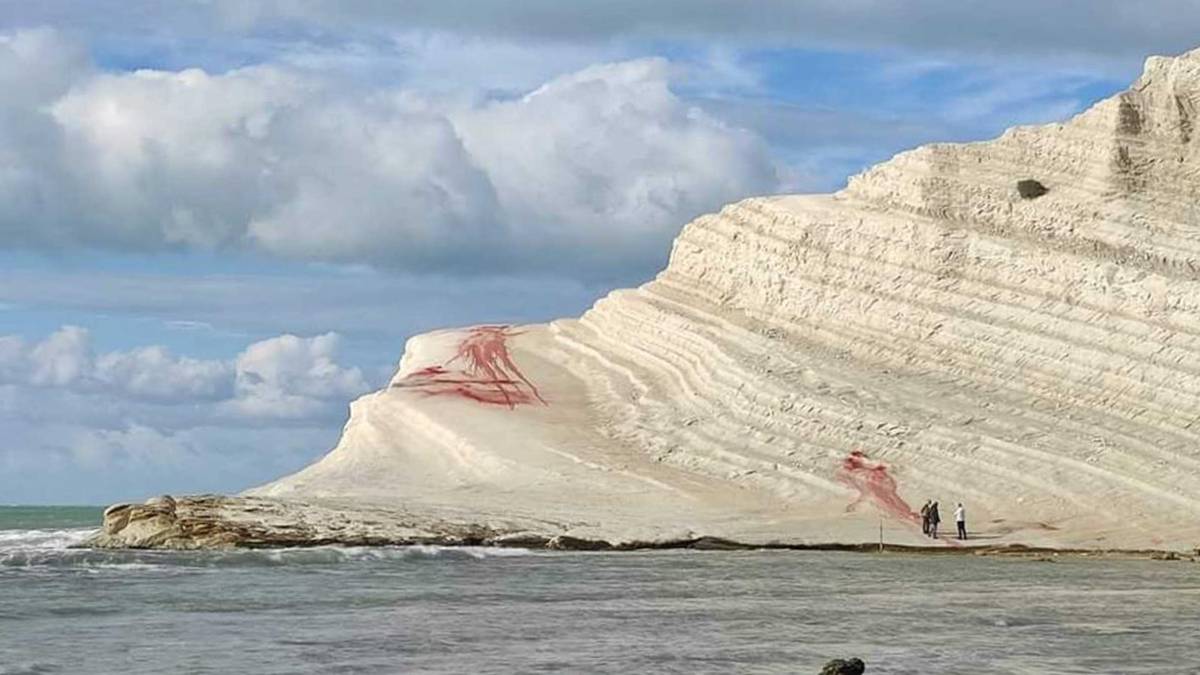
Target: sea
(429, 609)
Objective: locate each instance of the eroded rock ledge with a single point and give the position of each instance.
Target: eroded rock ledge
(223, 522)
(216, 522)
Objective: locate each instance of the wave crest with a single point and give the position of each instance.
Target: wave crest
(41, 549)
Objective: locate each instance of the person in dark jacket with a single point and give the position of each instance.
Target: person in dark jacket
(934, 519)
(925, 517)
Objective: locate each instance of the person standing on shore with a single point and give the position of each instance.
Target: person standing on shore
(960, 520)
(925, 517)
(934, 519)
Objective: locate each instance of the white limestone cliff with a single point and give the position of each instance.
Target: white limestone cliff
(809, 367)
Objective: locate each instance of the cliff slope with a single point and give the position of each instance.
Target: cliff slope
(1013, 324)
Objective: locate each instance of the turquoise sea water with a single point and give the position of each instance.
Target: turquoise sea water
(439, 610)
(49, 517)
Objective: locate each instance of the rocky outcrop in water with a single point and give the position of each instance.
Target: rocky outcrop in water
(844, 667)
(216, 522)
(1013, 324)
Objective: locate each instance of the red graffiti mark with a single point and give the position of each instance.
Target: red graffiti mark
(874, 483)
(481, 370)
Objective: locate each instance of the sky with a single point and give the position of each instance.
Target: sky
(220, 220)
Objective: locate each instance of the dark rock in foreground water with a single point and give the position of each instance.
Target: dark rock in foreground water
(844, 667)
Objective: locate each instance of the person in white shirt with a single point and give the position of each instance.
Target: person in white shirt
(960, 519)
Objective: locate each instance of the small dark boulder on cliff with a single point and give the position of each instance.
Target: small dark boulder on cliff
(1031, 189)
(844, 667)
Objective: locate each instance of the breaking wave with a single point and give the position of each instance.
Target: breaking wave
(43, 539)
(42, 549)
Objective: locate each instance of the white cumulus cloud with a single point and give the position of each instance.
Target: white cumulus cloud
(154, 373)
(592, 172)
(281, 377)
(136, 444)
(609, 159)
(66, 359)
(63, 358)
(288, 376)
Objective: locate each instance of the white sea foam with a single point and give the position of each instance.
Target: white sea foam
(472, 551)
(54, 548)
(42, 540)
(26, 549)
(336, 554)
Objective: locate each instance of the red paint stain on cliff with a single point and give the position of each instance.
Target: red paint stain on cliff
(482, 370)
(874, 483)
